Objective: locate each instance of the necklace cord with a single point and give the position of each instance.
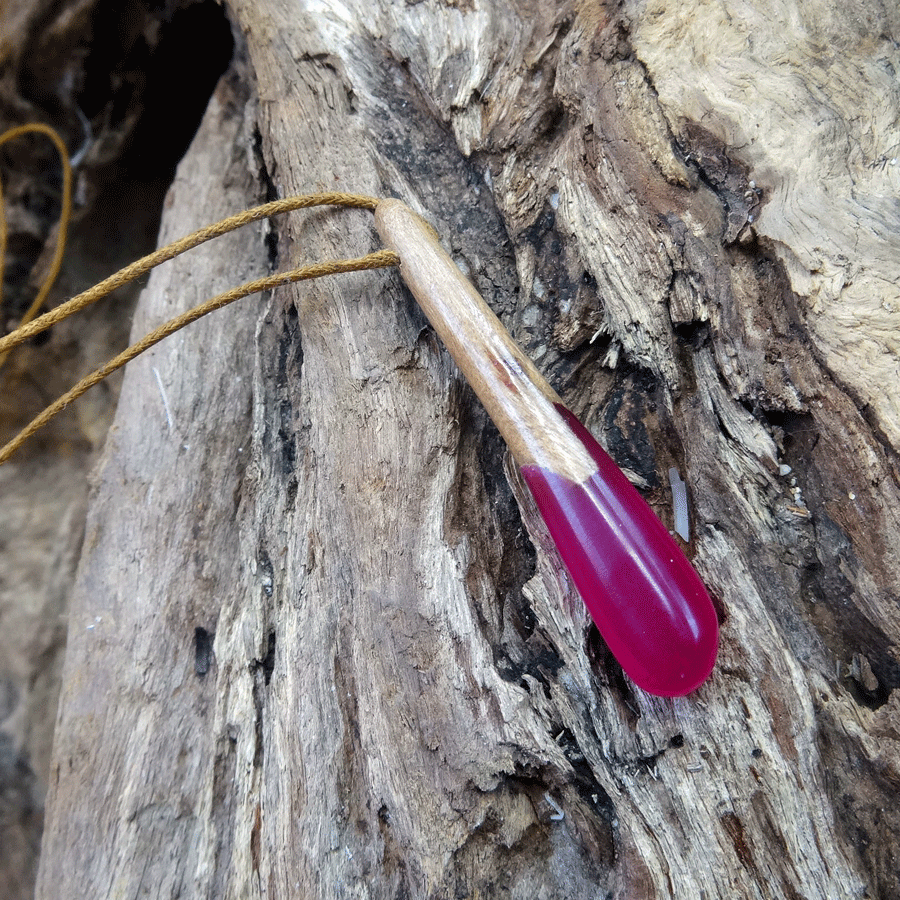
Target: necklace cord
(64, 217)
(378, 259)
(170, 251)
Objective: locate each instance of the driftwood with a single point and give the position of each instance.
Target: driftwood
(317, 643)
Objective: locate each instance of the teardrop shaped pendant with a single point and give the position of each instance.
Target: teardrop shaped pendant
(645, 597)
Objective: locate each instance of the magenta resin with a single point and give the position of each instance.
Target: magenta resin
(647, 600)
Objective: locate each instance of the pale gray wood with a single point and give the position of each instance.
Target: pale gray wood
(44, 489)
(400, 693)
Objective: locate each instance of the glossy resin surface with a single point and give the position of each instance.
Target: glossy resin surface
(648, 602)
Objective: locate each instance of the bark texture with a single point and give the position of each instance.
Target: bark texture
(111, 66)
(317, 644)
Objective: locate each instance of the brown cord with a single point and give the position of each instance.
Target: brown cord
(142, 266)
(64, 216)
(380, 259)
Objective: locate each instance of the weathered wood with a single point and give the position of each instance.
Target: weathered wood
(44, 48)
(311, 652)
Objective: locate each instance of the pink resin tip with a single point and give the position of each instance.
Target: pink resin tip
(648, 602)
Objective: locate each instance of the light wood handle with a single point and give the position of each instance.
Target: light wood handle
(514, 393)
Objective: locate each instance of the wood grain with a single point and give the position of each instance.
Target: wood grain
(515, 395)
(400, 677)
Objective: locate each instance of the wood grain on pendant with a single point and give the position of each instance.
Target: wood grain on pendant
(645, 597)
(514, 393)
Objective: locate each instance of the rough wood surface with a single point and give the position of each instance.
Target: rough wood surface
(56, 59)
(44, 49)
(312, 651)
